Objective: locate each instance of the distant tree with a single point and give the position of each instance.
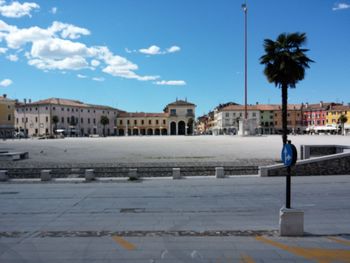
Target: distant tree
(285, 63)
(104, 121)
(342, 120)
(55, 120)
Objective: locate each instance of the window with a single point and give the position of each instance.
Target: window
(62, 109)
(149, 122)
(275, 122)
(254, 114)
(54, 108)
(172, 111)
(89, 112)
(94, 121)
(142, 122)
(103, 112)
(36, 119)
(164, 122)
(9, 117)
(68, 120)
(26, 120)
(128, 122)
(135, 122)
(81, 110)
(30, 109)
(17, 120)
(36, 131)
(82, 120)
(157, 122)
(62, 120)
(46, 131)
(88, 120)
(226, 114)
(67, 109)
(47, 119)
(121, 122)
(47, 108)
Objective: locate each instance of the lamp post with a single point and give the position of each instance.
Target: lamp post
(245, 10)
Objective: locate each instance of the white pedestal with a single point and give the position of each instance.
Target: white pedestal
(291, 222)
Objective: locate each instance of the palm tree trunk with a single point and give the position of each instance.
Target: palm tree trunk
(284, 113)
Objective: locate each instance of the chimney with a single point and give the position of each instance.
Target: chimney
(306, 105)
(5, 96)
(321, 103)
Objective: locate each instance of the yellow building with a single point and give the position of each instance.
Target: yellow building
(334, 113)
(7, 119)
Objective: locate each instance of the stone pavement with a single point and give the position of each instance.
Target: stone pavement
(162, 220)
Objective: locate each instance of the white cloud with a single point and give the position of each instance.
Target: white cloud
(68, 30)
(69, 63)
(6, 82)
(340, 6)
(152, 50)
(3, 50)
(12, 57)
(53, 10)
(171, 82)
(98, 79)
(81, 76)
(173, 49)
(16, 9)
(55, 48)
(155, 50)
(95, 63)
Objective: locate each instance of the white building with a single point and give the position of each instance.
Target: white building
(74, 118)
(228, 118)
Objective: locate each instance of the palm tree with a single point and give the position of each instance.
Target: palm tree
(55, 120)
(104, 121)
(285, 63)
(342, 120)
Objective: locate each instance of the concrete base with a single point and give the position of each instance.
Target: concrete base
(3, 176)
(176, 173)
(89, 175)
(45, 175)
(133, 174)
(291, 222)
(219, 172)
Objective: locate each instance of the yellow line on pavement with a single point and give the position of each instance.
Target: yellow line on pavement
(246, 259)
(123, 243)
(317, 254)
(341, 241)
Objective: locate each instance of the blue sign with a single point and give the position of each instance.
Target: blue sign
(287, 155)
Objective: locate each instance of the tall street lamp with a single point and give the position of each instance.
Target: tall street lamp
(245, 10)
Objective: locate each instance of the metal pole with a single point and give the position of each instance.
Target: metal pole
(245, 61)
(288, 188)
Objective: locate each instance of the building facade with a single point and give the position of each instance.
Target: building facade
(70, 117)
(177, 118)
(227, 119)
(294, 119)
(333, 114)
(7, 117)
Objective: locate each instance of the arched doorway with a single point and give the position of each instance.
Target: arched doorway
(143, 131)
(149, 132)
(190, 127)
(135, 132)
(164, 132)
(157, 132)
(181, 128)
(173, 128)
(121, 132)
(129, 131)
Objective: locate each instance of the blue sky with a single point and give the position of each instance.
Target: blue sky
(139, 55)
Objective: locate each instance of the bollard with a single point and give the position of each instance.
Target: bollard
(3, 176)
(89, 175)
(219, 172)
(45, 175)
(133, 174)
(176, 173)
